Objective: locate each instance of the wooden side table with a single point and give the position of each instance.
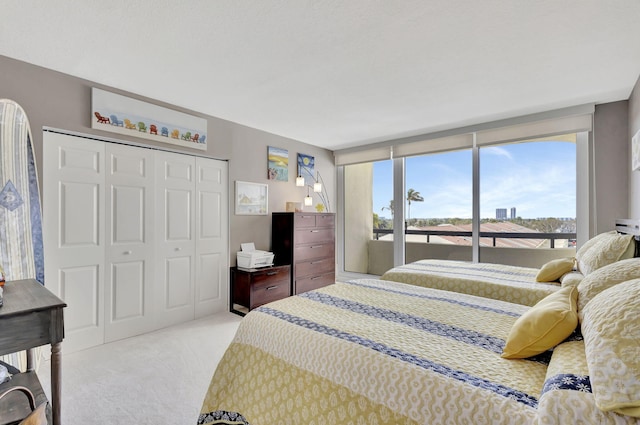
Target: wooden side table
(30, 317)
(251, 288)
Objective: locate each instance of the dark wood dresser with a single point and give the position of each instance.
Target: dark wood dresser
(307, 242)
(251, 288)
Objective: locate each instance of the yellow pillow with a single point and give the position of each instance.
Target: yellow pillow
(544, 325)
(555, 269)
(611, 330)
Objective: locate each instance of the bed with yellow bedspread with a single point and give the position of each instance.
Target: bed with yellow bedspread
(380, 352)
(498, 281)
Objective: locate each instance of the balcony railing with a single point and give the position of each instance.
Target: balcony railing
(493, 235)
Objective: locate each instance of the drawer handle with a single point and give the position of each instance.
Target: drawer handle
(317, 262)
(271, 288)
(127, 253)
(316, 277)
(314, 231)
(316, 246)
(272, 273)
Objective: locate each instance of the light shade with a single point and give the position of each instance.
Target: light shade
(317, 187)
(308, 201)
(300, 181)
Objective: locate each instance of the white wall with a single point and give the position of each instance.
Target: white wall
(610, 162)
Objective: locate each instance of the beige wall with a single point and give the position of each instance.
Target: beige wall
(634, 176)
(610, 136)
(249, 163)
(358, 202)
(53, 99)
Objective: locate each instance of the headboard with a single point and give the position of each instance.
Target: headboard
(630, 227)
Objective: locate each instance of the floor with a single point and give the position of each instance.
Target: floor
(157, 378)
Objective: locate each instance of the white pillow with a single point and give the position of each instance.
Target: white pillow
(604, 278)
(601, 250)
(611, 330)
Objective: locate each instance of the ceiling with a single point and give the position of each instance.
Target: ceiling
(336, 73)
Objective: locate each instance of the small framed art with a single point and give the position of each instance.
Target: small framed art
(251, 198)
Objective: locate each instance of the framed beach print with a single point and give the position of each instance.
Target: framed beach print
(277, 164)
(251, 198)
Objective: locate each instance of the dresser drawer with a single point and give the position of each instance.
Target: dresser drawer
(327, 220)
(314, 235)
(302, 220)
(315, 267)
(269, 276)
(315, 282)
(268, 293)
(309, 252)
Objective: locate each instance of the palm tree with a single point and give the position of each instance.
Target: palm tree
(414, 196)
(390, 208)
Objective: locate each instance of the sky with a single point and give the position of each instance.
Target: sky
(537, 178)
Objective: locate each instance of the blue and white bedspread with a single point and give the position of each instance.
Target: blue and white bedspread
(373, 351)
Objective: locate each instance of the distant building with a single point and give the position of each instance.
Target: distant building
(513, 213)
(501, 213)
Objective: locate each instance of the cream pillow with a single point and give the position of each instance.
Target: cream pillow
(604, 249)
(571, 279)
(611, 330)
(591, 242)
(555, 269)
(544, 325)
(604, 278)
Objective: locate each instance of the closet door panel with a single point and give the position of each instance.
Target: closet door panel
(211, 236)
(80, 286)
(127, 289)
(73, 233)
(129, 251)
(177, 296)
(175, 244)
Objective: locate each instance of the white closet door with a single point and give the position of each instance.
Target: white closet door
(211, 289)
(130, 246)
(73, 232)
(175, 237)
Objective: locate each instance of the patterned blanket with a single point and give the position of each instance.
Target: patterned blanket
(501, 282)
(372, 351)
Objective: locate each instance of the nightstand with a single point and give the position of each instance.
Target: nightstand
(251, 288)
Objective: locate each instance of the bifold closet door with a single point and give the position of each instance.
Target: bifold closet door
(73, 232)
(129, 269)
(175, 238)
(212, 271)
(135, 239)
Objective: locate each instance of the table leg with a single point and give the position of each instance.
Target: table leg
(30, 363)
(56, 386)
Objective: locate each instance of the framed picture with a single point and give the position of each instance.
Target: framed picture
(277, 164)
(306, 164)
(635, 152)
(132, 117)
(251, 198)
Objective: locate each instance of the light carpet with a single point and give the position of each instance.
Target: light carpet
(157, 378)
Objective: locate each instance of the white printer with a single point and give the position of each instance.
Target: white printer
(251, 258)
